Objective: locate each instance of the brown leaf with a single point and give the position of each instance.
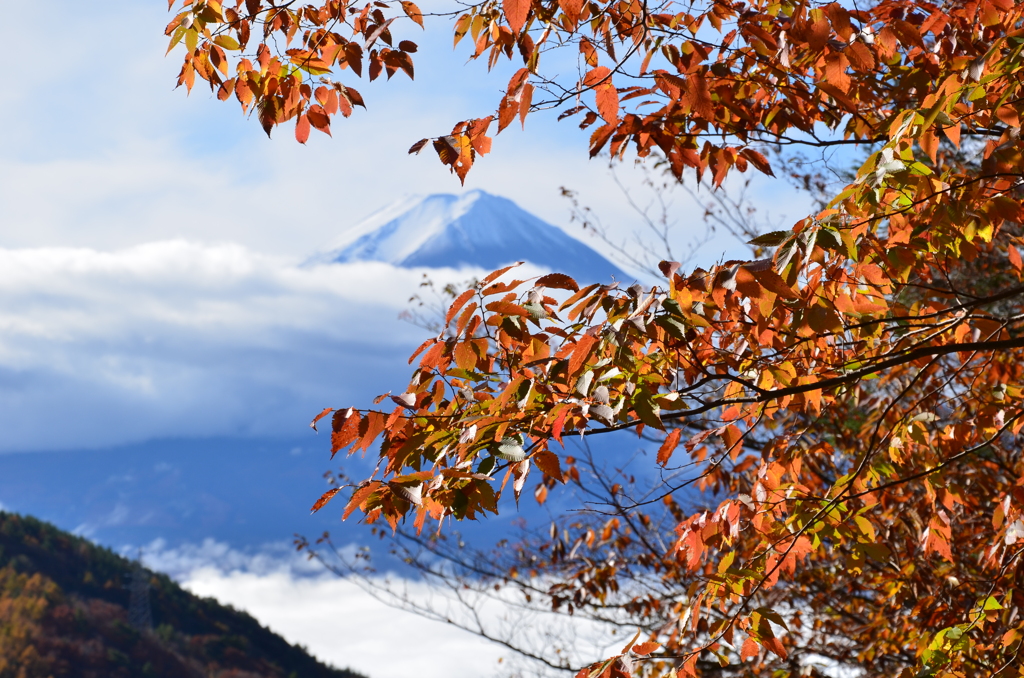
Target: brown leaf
(319, 119)
(758, 161)
(413, 12)
(699, 97)
(557, 281)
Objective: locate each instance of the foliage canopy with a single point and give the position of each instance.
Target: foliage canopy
(854, 400)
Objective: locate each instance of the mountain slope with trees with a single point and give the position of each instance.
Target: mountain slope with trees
(64, 613)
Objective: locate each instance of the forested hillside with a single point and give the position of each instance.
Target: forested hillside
(64, 613)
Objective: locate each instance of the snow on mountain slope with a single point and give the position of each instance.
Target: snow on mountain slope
(475, 229)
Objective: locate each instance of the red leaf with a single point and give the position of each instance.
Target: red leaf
(319, 119)
(699, 97)
(516, 12)
(432, 358)
(556, 428)
(345, 426)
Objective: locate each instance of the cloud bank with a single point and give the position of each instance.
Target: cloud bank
(178, 339)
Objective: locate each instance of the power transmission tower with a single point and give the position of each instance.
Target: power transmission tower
(140, 616)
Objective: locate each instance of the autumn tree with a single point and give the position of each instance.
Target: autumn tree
(851, 403)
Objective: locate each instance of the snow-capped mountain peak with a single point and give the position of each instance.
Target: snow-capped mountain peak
(474, 229)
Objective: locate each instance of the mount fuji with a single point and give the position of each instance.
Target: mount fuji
(474, 229)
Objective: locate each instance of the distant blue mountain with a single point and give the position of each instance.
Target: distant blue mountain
(475, 229)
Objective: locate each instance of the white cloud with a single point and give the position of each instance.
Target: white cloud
(182, 339)
(333, 618)
(340, 622)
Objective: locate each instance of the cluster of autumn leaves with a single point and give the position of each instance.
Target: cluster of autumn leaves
(854, 399)
(293, 83)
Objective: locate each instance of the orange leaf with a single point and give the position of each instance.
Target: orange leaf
(459, 302)
(524, 103)
(572, 9)
(773, 282)
(497, 274)
(326, 411)
(774, 645)
(1014, 255)
(413, 12)
(324, 498)
(507, 308)
(600, 80)
(548, 463)
(645, 648)
(516, 12)
(669, 446)
(581, 352)
(358, 497)
(302, 129)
